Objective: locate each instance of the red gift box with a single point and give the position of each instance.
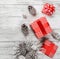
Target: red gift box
(48, 9)
(49, 48)
(41, 27)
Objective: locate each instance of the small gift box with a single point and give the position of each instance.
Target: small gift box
(48, 9)
(48, 48)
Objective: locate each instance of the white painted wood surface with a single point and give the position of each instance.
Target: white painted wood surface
(11, 12)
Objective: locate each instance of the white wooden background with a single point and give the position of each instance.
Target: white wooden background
(11, 12)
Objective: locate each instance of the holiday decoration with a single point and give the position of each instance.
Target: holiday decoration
(48, 9)
(24, 29)
(32, 10)
(42, 30)
(31, 55)
(55, 35)
(23, 49)
(41, 27)
(24, 16)
(48, 48)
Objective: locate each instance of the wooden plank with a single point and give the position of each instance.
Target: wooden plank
(11, 19)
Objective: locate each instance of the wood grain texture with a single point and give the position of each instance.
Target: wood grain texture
(11, 12)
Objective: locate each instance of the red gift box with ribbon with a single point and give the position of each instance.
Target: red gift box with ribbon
(48, 48)
(41, 27)
(48, 9)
